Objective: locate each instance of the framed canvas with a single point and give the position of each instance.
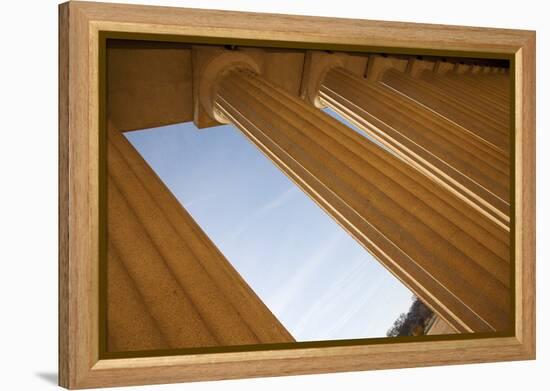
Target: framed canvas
(247, 195)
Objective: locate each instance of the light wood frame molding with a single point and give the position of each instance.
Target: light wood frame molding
(83, 29)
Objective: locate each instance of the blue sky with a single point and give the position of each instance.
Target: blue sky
(318, 281)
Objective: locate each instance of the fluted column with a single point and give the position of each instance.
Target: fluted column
(493, 90)
(460, 160)
(451, 256)
(168, 286)
(470, 107)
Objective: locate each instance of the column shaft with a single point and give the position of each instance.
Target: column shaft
(456, 158)
(473, 88)
(497, 84)
(471, 110)
(447, 252)
(166, 274)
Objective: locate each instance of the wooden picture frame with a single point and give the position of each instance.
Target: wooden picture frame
(83, 30)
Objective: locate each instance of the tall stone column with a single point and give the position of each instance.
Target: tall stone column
(472, 165)
(481, 114)
(445, 250)
(168, 286)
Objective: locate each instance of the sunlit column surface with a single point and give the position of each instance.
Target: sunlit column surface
(445, 250)
(471, 162)
(168, 286)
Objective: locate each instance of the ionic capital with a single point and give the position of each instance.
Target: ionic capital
(214, 70)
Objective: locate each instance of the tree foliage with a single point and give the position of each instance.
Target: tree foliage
(413, 322)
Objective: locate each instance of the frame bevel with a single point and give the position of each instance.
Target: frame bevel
(80, 113)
